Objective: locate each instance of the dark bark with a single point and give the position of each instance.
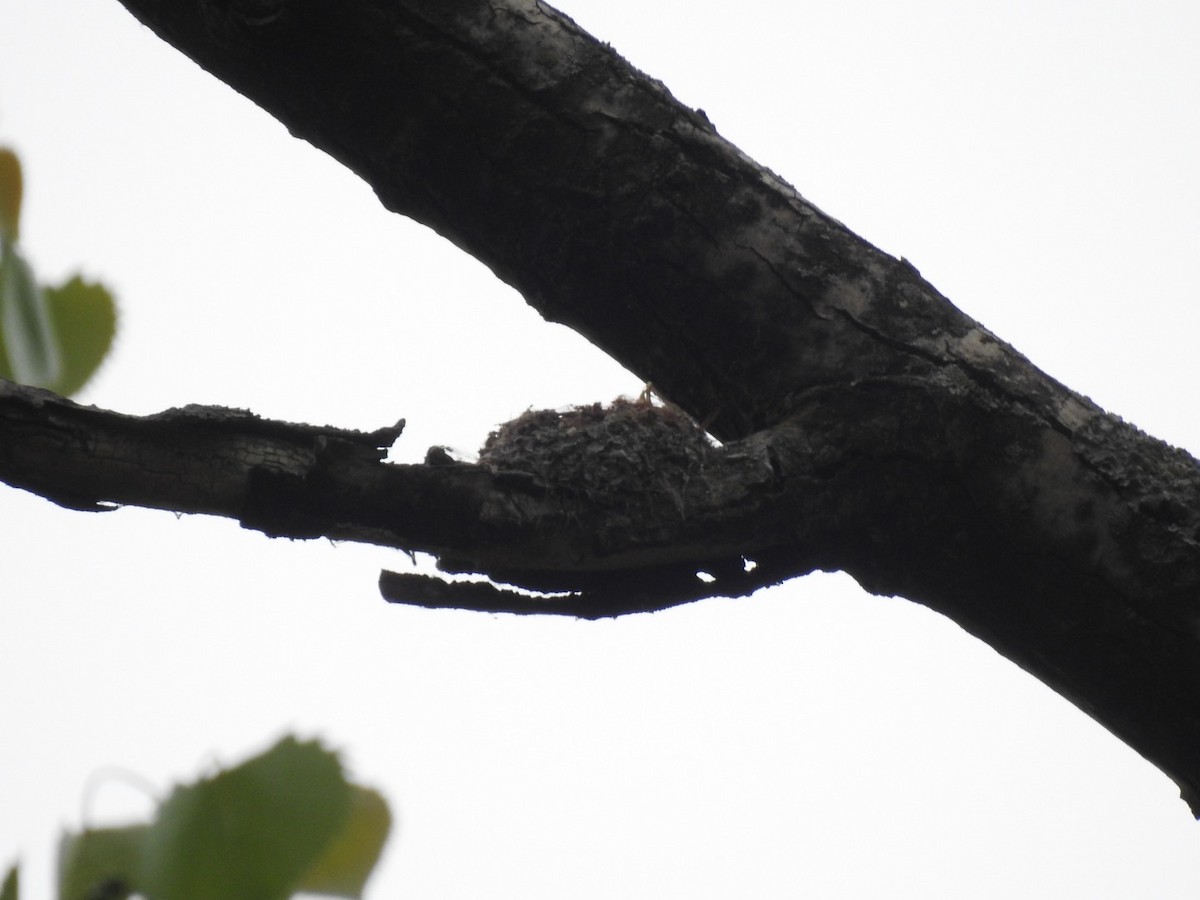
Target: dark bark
(869, 425)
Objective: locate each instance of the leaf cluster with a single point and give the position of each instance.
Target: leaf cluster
(283, 822)
(53, 337)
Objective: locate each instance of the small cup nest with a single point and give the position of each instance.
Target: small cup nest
(626, 454)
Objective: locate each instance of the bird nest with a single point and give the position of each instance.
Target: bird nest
(626, 454)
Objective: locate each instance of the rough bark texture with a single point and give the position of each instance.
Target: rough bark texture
(869, 426)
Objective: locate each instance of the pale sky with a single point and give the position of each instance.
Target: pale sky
(1036, 160)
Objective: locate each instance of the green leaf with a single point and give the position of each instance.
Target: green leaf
(99, 863)
(50, 337)
(84, 318)
(25, 331)
(346, 864)
(8, 890)
(251, 831)
(10, 197)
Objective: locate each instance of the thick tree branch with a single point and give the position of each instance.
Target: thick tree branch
(611, 207)
(870, 426)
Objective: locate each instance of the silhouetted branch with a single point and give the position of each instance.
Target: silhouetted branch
(869, 425)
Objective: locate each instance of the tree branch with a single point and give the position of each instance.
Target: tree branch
(668, 503)
(870, 425)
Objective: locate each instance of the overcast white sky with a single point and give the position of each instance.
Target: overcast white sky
(1037, 160)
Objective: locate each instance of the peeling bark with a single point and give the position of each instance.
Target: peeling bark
(868, 425)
